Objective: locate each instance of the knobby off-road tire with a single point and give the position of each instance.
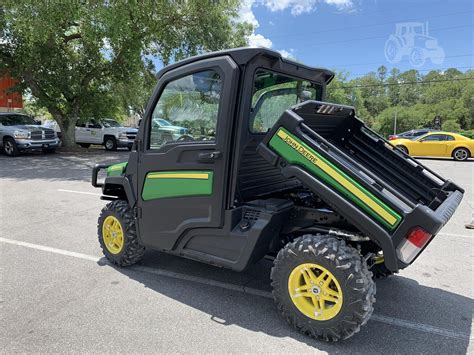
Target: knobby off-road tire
(128, 252)
(343, 263)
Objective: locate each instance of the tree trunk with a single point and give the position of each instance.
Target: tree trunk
(67, 126)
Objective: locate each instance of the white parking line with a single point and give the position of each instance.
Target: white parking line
(228, 286)
(80, 192)
(49, 249)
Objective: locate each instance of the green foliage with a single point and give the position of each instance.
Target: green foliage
(379, 98)
(451, 126)
(91, 58)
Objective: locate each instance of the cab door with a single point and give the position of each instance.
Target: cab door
(433, 145)
(94, 132)
(182, 182)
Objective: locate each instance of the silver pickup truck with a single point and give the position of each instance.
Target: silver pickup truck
(19, 133)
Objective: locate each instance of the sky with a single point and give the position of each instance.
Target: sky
(358, 36)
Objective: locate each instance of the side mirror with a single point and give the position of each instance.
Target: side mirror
(38, 122)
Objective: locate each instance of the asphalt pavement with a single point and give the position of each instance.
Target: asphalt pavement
(58, 294)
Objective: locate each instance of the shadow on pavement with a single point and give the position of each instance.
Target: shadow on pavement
(397, 297)
(58, 166)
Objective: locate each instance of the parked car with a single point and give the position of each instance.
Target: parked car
(413, 134)
(107, 132)
(164, 131)
(438, 144)
(20, 133)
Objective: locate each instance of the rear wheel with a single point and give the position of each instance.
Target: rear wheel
(118, 234)
(460, 154)
(10, 148)
(110, 143)
(323, 287)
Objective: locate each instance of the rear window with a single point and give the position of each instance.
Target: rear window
(273, 93)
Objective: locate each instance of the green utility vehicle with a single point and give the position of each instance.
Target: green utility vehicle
(272, 171)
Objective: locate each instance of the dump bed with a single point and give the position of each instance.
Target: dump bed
(378, 188)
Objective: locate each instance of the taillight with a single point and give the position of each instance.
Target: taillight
(415, 241)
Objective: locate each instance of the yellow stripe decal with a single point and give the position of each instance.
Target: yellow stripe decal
(337, 176)
(195, 176)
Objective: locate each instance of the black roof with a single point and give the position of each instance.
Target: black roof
(244, 55)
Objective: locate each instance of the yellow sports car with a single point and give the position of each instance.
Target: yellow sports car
(438, 144)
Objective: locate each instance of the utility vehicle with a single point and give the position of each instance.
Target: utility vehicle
(281, 174)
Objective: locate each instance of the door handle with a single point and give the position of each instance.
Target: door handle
(209, 157)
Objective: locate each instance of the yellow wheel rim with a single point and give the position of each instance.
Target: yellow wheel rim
(112, 234)
(315, 291)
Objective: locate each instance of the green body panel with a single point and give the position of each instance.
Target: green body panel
(165, 184)
(294, 157)
(116, 169)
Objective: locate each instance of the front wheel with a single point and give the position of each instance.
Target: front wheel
(323, 287)
(10, 148)
(403, 149)
(461, 154)
(118, 234)
(110, 143)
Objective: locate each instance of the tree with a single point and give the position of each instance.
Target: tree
(451, 126)
(80, 58)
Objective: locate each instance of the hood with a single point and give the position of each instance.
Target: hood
(32, 128)
(127, 129)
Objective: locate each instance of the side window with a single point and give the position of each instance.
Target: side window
(81, 123)
(94, 124)
(187, 110)
(274, 93)
(448, 138)
(433, 138)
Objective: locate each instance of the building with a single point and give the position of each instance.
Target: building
(9, 101)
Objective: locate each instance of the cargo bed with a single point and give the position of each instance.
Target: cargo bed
(382, 191)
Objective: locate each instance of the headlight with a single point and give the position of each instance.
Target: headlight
(123, 135)
(22, 134)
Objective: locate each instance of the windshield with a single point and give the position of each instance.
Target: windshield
(111, 123)
(16, 120)
(163, 122)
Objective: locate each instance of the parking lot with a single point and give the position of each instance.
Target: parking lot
(59, 295)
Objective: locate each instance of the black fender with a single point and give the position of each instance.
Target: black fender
(121, 187)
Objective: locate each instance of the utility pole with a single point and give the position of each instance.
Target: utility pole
(395, 121)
